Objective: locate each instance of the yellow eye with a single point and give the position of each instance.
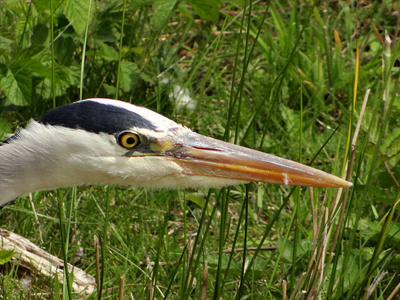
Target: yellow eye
(128, 139)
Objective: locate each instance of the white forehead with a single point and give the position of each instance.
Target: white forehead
(162, 123)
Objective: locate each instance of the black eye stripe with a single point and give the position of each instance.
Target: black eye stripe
(96, 117)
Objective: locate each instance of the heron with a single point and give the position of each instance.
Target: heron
(106, 141)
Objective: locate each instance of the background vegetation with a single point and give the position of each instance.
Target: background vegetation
(313, 81)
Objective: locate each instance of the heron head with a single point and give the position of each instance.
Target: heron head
(140, 147)
(101, 141)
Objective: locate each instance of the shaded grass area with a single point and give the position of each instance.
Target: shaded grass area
(286, 77)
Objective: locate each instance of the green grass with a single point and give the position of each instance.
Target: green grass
(279, 78)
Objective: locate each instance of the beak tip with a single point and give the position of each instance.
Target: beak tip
(349, 184)
(342, 183)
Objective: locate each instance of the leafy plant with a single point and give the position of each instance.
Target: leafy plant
(311, 81)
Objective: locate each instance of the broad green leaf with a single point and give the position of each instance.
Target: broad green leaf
(372, 230)
(109, 89)
(107, 31)
(106, 52)
(140, 3)
(200, 201)
(5, 256)
(17, 87)
(391, 144)
(5, 45)
(162, 11)
(65, 77)
(39, 35)
(146, 78)
(129, 75)
(184, 10)
(77, 13)
(37, 68)
(5, 128)
(25, 64)
(396, 102)
(234, 268)
(206, 9)
(287, 247)
(64, 48)
(290, 117)
(44, 5)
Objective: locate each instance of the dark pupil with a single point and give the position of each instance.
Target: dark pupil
(130, 140)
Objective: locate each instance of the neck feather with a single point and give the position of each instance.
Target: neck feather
(44, 157)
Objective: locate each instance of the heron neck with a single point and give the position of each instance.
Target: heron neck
(25, 168)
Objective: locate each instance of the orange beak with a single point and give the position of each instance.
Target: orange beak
(203, 156)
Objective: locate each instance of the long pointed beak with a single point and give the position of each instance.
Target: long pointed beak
(199, 155)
